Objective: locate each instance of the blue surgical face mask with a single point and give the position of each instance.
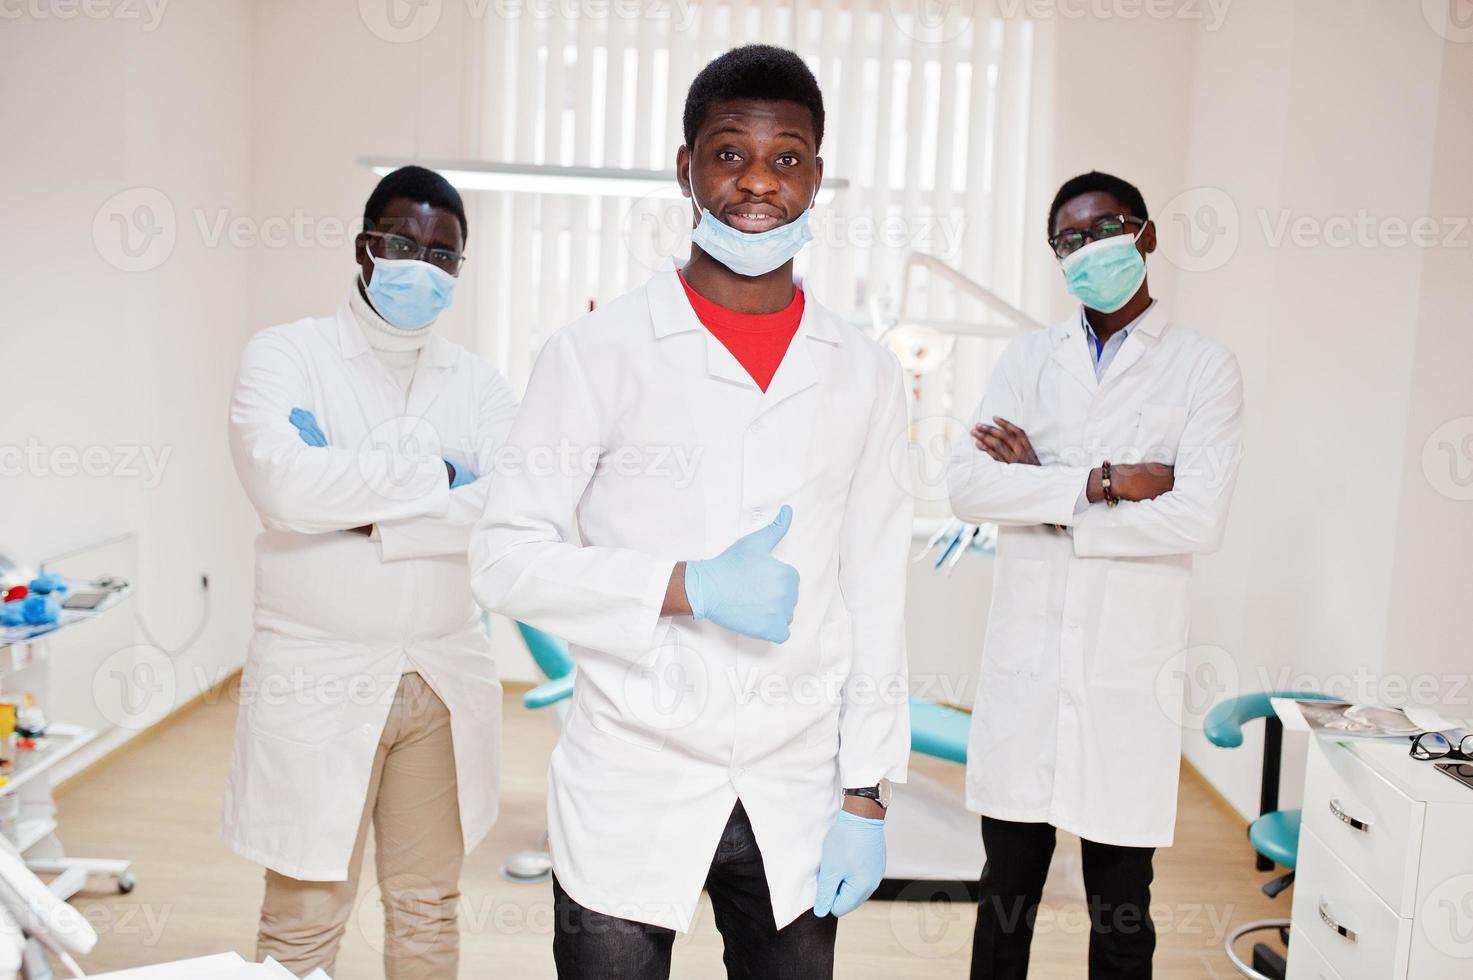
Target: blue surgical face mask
(750, 254)
(409, 293)
(1104, 275)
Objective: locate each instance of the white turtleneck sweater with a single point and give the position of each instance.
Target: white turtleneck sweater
(396, 349)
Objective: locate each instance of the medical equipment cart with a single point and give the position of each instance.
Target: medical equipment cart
(27, 810)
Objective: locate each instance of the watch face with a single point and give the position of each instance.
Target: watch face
(885, 793)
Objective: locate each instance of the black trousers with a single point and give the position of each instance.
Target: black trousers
(1117, 881)
(589, 945)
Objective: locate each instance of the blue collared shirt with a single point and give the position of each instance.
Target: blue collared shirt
(1104, 353)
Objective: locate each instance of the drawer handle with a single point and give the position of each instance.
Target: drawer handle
(1354, 823)
(1329, 920)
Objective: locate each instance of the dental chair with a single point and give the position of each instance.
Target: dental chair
(932, 843)
(1275, 833)
(552, 658)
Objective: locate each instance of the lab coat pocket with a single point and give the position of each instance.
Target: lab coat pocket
(1158, 434)
(832, 662)
(661, 693)
(1017, 623)
(1143, 625)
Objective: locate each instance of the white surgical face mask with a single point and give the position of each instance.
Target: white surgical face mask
(754, 254)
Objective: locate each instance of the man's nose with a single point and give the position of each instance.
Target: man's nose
(757, 179)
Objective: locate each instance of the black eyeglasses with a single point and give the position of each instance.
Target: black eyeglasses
(1066, 243)
(1436, 745)
(388, 246)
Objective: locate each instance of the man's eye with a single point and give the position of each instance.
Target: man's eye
(788, 160)
(727, 156)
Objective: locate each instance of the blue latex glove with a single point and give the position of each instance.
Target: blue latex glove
(307, 428)
(463, 475)
(47, 583)
(11, 613)
(745, 589)
(40, 610)
(852, 864)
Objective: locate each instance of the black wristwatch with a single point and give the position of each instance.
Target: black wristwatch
(880, 793)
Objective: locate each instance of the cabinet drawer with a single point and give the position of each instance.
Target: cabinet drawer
(1368, 823)
(1308, 963)
(1354, 931)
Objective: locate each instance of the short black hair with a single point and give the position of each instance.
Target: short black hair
(1092, 182)
(753, 71)
(420, 185)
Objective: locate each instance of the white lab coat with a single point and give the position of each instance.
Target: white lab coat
(673, 720)
(339, 617)
(1074, 722)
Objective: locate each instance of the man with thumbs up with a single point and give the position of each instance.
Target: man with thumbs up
(740, 704)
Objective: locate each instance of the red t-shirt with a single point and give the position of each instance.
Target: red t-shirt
(757, 340)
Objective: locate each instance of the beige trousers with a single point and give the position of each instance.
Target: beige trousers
(416, 817)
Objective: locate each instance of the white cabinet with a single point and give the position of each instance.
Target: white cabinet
(1383, 889)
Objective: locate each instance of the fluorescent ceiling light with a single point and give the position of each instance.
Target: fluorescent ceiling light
(533, 178)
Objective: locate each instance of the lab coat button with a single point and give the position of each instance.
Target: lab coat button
(756, 513)
(756, 427)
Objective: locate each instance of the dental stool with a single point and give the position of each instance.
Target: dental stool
(1275, 834)
(552, 658)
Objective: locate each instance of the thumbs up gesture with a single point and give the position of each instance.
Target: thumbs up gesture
(745, 589)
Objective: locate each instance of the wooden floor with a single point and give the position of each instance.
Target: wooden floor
(159, 805)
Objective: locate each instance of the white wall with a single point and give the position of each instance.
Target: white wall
(124, 362)
(1345, 557)
(333, 87)
(1340, 557)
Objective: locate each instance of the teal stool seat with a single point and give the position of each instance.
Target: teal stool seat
(938, 730)
(1276, 836)
(555, 662)
(1224, 723)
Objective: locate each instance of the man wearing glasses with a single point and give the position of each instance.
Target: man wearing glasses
(1106, 448)
(365, 440)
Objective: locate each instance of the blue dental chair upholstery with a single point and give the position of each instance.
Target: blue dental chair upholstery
(1275, 833)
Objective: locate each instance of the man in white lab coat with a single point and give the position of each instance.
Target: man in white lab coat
(1106, 449)
(726, 438)
(369, 693)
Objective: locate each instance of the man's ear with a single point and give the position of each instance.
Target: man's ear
(682, 169)
(818, 179)
(1147, 241)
